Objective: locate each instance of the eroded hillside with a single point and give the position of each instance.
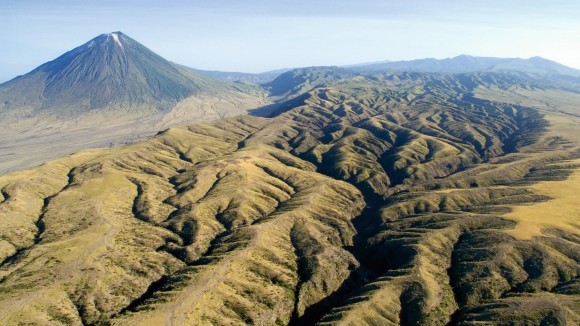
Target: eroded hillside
(392, 199)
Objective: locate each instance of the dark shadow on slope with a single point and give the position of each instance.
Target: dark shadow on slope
(315, 312)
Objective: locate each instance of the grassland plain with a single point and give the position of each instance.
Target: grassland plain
(408, 198)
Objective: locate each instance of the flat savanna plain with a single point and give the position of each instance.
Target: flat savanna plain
(29, 141)
(391, 199)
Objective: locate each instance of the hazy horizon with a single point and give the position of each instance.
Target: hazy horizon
(257, 36)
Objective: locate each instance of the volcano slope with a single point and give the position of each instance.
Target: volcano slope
(108, 91)
(414, 199)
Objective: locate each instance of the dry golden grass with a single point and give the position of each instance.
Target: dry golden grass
(102, 226)
(551, 100)
(91, 242)
(250, 194)
(251, 220)
(562, 212)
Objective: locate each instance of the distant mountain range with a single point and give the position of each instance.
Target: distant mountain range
(459, 64)
(466, 63)
(500, 72)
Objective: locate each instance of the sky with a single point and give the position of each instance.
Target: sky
(261, 35)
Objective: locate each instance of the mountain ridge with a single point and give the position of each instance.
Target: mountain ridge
(459, 64)
(466, 63)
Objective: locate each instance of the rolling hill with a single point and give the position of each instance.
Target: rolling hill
(400, 198)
